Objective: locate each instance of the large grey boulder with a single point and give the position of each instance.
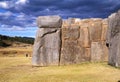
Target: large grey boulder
(113, 39)
(49, 21)
(47, 43)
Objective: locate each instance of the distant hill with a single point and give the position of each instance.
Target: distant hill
(6, 41)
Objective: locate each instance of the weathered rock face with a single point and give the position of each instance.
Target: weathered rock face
(70, 52)
(86, 43)
(113, 39)
(49, 22)
(84, 39)
(104, 29)
(95, 29)
(47, 46)
(78, 40)
(96, 51)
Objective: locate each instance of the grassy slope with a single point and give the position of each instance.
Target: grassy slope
(15, 51)
(19, 69)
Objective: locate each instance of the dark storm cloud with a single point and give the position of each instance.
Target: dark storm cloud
(79, 8)
(30, 9)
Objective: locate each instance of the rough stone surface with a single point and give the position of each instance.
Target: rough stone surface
(95, 30)
(113, 39)
(49, 22)
(86, 43)
(79, 40)
(70, 52)
(47, 45)
(75, 45)
(96, 51)
(87, 53)
(70, 33)
(104, 29)
(84, 39)
(105, 51)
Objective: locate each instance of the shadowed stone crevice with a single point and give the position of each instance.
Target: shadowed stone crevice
(48, 33)
(60, 48)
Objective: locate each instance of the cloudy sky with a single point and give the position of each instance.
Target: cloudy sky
(18, 17)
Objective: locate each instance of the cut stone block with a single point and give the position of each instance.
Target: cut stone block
(49, 22)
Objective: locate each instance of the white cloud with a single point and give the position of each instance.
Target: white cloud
(8, 13)
(21, 17)
(4, 4)
(17, 28)
(13, 28)
(47, 10)
(22, 1)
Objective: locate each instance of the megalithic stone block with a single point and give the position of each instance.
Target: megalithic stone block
(113, 39)
(70, 52)
(95, 30)
(84, 39)
(104, 29)
(96, 51)
(49, 22)
(48, 41)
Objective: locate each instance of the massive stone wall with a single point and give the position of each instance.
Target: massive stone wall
(113, 39)
(77, 41)
(84, 40)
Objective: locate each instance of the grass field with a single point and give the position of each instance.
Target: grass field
(15, 51)
(19, 69)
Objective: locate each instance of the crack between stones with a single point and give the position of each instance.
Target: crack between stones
(49, 33)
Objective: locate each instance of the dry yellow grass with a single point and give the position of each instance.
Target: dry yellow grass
(19, 69)
(16, 48)
(15, 51)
